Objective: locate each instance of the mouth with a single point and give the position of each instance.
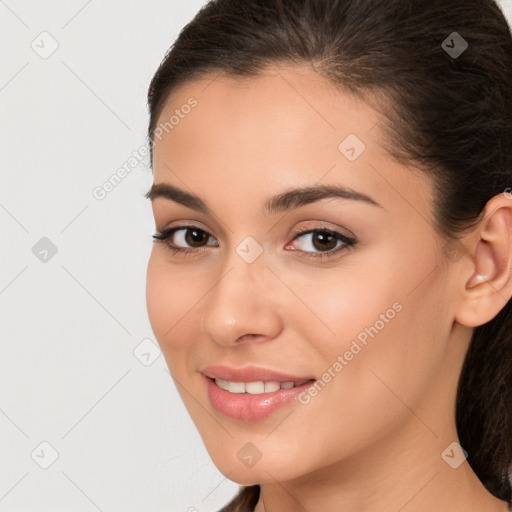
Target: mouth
(257, 387)
(255, 400)
(251, 374)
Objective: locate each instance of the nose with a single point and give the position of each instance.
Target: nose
(243, 305)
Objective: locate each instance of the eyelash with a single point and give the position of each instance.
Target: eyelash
(166, 234)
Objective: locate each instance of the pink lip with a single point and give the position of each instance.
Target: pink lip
(250, 374)
(244, 406)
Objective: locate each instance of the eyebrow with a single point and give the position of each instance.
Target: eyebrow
(279, 203)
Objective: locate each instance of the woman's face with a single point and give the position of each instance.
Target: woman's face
(365, 309)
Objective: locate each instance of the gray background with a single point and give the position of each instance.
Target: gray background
(82, 378)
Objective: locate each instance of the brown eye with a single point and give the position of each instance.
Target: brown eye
(320, 240)
(184, 238)
(195, 237)
(323, 241)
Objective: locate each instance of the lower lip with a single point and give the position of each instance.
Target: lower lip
(247, 407)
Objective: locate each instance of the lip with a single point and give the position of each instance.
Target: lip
(250, 374)
(245, 406)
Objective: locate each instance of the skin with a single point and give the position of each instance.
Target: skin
(372, 439)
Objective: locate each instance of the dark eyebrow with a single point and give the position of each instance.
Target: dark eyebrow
(281, 202)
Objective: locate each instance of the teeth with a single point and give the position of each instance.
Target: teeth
(236, 387)
(256, 388)
(224, 384)
(272, 386)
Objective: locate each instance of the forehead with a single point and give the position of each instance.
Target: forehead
(289, 103)
(288, 125)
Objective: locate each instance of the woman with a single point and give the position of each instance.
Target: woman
(331, 279)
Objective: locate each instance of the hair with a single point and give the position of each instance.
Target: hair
(449, 115)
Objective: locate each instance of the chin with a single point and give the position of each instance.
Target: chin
(264, 470)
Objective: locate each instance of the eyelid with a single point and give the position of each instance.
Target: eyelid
(318, 226)
(348, 242)
(166, 233)
(324, 226)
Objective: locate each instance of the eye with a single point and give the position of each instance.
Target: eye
(174, 238)
(327, 241)
(187, 240)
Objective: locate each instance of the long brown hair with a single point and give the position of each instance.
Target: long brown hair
(446, 108)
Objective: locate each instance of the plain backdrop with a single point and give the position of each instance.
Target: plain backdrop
(89, 416)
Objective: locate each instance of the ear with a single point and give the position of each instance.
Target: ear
(487, 283)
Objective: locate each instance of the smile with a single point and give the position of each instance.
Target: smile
(258, 387)
(252, 401)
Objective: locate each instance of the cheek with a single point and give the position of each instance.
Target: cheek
(374, 295)
(388, 316)
(170, 299)
(352, 302)
(158, 295)
(386, 361)
(391, 335)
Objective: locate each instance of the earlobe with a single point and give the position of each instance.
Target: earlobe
(487, 286)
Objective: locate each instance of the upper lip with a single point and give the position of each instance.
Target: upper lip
(250, 374)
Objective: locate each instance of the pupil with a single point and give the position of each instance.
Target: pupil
(196, 237)
(323, 237)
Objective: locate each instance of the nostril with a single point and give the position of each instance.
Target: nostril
(245, 336)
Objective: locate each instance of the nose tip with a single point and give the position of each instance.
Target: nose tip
(241, 308)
